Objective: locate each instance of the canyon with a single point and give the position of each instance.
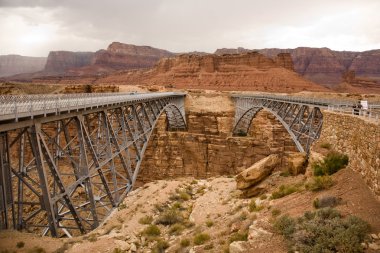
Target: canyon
(202, 162)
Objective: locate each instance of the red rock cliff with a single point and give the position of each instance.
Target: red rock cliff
(250, 71)
(125, 56)
(58, 62)
(323, 65)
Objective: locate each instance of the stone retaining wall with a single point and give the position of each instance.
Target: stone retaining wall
(360, 140)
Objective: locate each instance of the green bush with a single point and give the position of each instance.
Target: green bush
(185, 243)
(285, 190)
(326, 145)
(252, 207)
(320, 183)
(324, 230)
(176, 229)
(238, 237)
(146, 220)
(276, 212)
(160, 246)
(170, 217)
(209, 223)
(201, 238)
(152, 230)
(332, 163)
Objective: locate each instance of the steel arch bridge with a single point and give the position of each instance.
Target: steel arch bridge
(302, 118)
(68, 160)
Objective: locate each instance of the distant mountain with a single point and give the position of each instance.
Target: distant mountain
(17, 64)
(323, 65)
(118, 56)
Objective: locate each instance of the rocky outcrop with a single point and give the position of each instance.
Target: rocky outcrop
(323, 65)
(58, 62)
(125, 56)
(257, 172)
(250, 71)
(17, 64)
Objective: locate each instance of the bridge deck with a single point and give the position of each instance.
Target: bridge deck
(15, 108)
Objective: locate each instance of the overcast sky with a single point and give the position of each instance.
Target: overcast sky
(35, 27)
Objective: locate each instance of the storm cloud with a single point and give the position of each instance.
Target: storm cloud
(35, 27)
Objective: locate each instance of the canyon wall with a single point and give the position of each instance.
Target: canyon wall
(58, 62)
(323, 65)
(17, 64)
(360, 140)
(207, 149)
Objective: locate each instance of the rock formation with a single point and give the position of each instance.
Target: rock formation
(58, 62)
(118, 56)
(323, 65)
(125, 56)
(249, 71)
(247, 180)
(17, 64)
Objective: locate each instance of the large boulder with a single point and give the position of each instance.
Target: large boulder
(257, 172)
(297, 163)
(239, 247)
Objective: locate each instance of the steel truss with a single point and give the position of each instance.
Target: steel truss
(303, 121)
(63, 174)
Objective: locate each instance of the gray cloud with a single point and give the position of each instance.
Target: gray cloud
(36, 27)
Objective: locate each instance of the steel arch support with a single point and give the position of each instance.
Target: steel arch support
(76, 168)
(303, 122)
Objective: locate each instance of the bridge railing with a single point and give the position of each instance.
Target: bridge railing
(371, 113)
(310, 101)
(14, 107)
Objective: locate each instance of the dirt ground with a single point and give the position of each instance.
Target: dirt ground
(215, 201)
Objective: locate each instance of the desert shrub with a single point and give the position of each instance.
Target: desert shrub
(92, 238)
(146, 220)
(122, 206)
(117, 250)
(252, 207)
(320, 183)
(326, 201)
(20, 245)
(285, 225)
(238, 237)
(180, 196)
(332, 163)
(185, 242)
(201, 238)
(36, 250)
(209, 223)
(208, 246)
(324, 230)
(152, 230)
(285, 190)
(176, 229)
(326, 145)
(276, 212)
(160, 246)
(169, 217)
